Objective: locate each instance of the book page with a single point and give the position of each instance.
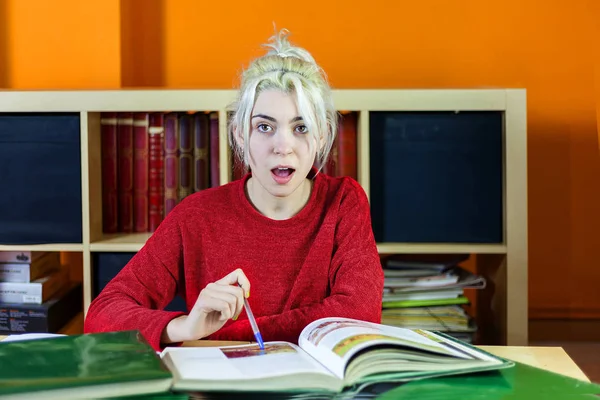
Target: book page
(333, 341)
(237, 363)
(30, 336)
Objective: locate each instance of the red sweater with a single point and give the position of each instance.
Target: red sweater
(323, 262)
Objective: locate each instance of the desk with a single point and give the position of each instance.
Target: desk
(553, 359)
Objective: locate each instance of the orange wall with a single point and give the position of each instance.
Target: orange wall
(549, 50)
(62, 44)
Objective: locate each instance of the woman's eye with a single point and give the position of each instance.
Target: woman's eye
(301, 129)
(263, 127)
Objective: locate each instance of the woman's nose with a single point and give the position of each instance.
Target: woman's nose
(282, 142)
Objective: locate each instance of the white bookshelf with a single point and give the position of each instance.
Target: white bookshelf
(504, 264)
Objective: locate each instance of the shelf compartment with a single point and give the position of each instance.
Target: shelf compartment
(40, 166)
(130, 152)
(437, 177)
(106, 265)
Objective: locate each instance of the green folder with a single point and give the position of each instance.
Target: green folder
(425, 303)
(88, 365)
(519, 382)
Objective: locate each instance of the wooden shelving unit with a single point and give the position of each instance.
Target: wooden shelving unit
(502, 308)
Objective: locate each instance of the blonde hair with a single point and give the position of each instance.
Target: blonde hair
(292, 70)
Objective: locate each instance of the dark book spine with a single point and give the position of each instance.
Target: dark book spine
(156, 132)
(110, 199)
(186, 157)
(201, 146)
(171, 163)
(215, 179)
(346, 146)
(125, 154)
(140, 172)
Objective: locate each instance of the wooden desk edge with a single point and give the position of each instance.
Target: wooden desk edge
(553, 359)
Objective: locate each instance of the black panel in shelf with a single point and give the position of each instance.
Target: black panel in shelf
(40, 178)
(106, 266)
(437, 177)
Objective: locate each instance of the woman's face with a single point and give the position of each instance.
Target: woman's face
(281, 155)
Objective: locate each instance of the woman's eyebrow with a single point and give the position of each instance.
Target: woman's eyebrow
(273, 119)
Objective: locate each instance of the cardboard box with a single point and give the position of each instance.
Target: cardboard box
(49, 317)
(22, 272)
(35, 292)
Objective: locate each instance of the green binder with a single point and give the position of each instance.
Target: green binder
(90, 365)
(519, 382)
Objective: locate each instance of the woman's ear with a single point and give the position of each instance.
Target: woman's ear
(237, 135)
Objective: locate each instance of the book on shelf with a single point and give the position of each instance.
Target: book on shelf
(201, 141)
(151, 161)
(333, 355)
(109, 146)
(156, 158)
(171, 172)
(343, 158)
(141, 169)
(125, 170)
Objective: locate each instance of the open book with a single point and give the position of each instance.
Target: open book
(333, 355)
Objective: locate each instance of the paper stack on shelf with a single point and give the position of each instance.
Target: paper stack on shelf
(429, 295)
(36, 294)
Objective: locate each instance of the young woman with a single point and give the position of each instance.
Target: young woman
(298, 241)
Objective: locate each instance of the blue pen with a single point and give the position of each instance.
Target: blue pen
(255, 330)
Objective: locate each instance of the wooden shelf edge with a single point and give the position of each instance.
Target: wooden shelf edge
(120, 242)
(134, 242)
(443, 248)
(42, 247)
(119, 248)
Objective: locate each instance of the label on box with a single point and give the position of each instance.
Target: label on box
(32, 299)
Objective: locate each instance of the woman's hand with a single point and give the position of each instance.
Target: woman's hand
(216, 303)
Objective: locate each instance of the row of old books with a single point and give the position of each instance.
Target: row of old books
(153, 160)
(429, 295)
(343, 159)
(36, 294)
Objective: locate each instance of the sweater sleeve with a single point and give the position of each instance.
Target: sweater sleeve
(135, 298)
(355, 278)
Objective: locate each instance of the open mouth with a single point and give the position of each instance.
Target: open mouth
(282, 174)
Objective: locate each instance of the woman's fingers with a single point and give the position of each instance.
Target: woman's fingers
(236, 277)
(226, 294)
(216, 303)
(219, 305)
(238, 292)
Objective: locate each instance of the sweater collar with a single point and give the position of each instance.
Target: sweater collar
(305, 213)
